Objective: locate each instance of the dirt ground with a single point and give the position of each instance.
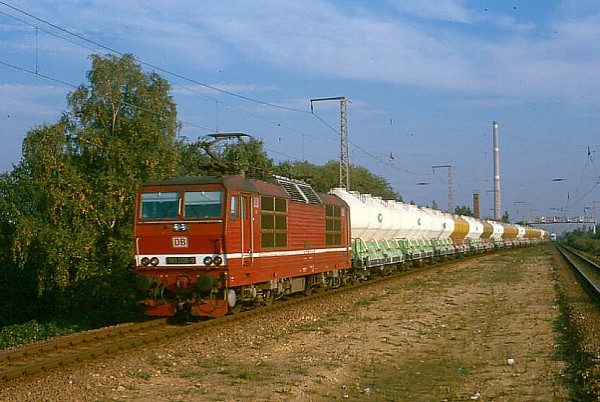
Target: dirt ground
(483, 330)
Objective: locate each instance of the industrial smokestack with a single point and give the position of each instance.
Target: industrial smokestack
(497, 206)
(476, 205)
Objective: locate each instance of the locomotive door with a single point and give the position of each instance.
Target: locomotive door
(246, 230)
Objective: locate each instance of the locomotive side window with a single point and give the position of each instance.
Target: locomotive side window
(202, 204)
(273, 222)
(233, 213)
(333, 225)
(244, 207)
(159, 205)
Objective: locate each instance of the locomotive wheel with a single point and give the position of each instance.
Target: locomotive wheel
(268, 298)
(236, 308)
(234, 304)
(181, 316)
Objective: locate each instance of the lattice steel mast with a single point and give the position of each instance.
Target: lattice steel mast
(344, 152)
(450, 186)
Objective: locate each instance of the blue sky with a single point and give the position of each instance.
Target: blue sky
(424, 79)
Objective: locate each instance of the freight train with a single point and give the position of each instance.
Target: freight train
(206, 246)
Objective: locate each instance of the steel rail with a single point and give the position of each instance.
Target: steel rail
(61, 351)
(588, 270)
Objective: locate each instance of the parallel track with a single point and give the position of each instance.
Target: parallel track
(588, 270)
(39, 358)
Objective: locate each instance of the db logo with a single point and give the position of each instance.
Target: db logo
(180, 242)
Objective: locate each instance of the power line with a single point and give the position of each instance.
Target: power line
(26, 70)
(164, 70)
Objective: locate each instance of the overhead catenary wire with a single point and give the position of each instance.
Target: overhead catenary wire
(47, 77)
(158, 68)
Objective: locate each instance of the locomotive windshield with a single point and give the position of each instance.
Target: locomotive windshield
(159, 205)
(196, 205)
(203, 204)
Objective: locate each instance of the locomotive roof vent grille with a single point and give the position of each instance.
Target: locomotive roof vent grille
(299, 191)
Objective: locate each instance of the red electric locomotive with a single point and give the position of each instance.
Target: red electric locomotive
(208, 245)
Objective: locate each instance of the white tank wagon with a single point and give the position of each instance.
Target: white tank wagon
(521, 234)
(412, 233)
(373, 222)
(442, 226)
(497, 233)
(406, 226)
(473, 237)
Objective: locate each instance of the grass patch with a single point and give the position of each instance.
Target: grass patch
(34, 331)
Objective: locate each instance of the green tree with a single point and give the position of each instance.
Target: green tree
(223, 155)
(363, 181)
(324, 178)
(71, 197)
(463, 210)
(248, 157)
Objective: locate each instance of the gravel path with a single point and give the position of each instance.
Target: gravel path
(481, 330)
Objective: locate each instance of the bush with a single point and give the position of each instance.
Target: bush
(32, 331)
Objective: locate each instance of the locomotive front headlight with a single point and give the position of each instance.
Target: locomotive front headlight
(154, 261)
(145, 261)
(218, 260)
(207, 260)
(180, 227)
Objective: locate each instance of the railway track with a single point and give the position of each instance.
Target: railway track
(587, 270)
(30, 360)
(45, 356)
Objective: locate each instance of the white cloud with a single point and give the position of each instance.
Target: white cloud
(33, 101)
(321, 40)
(444, 10)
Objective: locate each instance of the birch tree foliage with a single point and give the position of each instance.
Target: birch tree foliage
(67, 207)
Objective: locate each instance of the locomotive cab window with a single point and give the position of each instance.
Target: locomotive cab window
(202, 204)
(159, 205)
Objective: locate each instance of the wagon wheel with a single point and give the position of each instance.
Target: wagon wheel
(308, 291)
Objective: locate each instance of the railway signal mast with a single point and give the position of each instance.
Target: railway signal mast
(344, 154)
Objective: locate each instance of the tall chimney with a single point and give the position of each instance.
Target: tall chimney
(497, 198)
(476, 205)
